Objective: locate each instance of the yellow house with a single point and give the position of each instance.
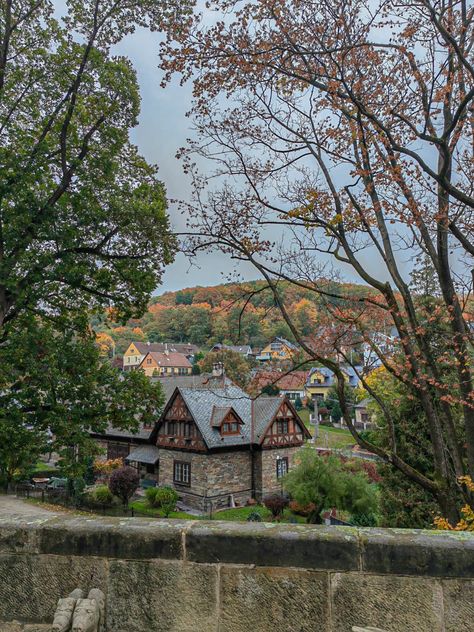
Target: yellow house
(166, 363)
(136, 351)
(321, 380)
(278, 350)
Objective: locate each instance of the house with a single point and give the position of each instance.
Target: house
(217, 447)
(166, 363)
(292, 384)
(321, 380)
(118, 443)
(279, 350)
(362, 414)
(136, 351)
(244, 350)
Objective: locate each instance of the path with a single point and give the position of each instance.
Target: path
(11, 506)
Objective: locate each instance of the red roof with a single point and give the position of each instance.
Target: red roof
(294, 381)
(168, 359)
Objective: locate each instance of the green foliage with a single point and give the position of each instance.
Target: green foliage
(298, 403)
(332, 402)
(254, 517)
(60, 391)
(325, 482)
(164, 498)
(102, 495)
(271, 389)
(123, 483)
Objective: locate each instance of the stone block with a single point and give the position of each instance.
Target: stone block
(300, 546)
(412, 552)
(33, 584)
(161, 597)
(264, 599)
(395, 604)
(458, 605)
(113, 538)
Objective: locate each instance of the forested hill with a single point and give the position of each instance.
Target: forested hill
(206, 315)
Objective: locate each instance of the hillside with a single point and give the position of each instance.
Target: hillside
(230, 313)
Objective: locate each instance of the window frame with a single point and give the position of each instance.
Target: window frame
(185, 466)
(279, 470)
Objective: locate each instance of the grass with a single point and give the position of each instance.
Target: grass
(41, 466)
(329, 437)
(142, 507)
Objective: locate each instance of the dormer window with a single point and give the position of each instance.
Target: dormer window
(230, 427)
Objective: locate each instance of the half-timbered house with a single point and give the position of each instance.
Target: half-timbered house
(218, 447)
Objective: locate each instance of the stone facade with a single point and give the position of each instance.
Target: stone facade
(172, 576)
(215, 477)
(267, 481)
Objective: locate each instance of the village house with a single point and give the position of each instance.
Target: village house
(321, 379)
(166, 363)
(136, 351)
(292, 384)
(244, 350)
(218, 447)
(279, 350)
(118, 443)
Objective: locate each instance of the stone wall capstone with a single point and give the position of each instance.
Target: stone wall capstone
(198, 576)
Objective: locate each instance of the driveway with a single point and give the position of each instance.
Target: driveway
(11, 506)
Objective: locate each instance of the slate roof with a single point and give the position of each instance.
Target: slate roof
(243, 349)
(169, 384)
(330, 378)
(219, 413)
(160, 347)
(144, 454)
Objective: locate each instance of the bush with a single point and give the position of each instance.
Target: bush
(298, 403)
(276, 504)
(254, 517)
(123, 483)
(166, 498)
(102, 495)
(150, 494)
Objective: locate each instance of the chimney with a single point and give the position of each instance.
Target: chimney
(166, 349)
(218, 369)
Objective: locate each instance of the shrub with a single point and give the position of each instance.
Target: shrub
(102, 495)
(150, 494)
(254, 517)
(166, 498)
(123, 483)
(276, 504)
(298, 403)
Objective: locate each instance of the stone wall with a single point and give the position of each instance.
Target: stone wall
(172, 576)
(214, 477)
(268, 483)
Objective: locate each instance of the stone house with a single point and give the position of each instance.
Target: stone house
(218, 447)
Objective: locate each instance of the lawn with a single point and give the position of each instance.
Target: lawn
(329, 437)
(239, 514)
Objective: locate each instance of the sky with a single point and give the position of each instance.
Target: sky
(163, 128)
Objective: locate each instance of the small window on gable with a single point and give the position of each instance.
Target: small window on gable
(283, 426)
(230, 427)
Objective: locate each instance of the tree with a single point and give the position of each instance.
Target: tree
(324, 482)
(123, 483)
(60, 391)
(353, 147)
(20, 448)
(235, 365)
(83, 219)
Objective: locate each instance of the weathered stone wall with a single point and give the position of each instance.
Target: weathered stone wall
(214, 477)
(171, 576)
(268, 483)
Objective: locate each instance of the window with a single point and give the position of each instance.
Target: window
(182, 473)
(282, 426)
(282, 466)
(230, 427)
(148, 360)
(171, 428)
(117, 450)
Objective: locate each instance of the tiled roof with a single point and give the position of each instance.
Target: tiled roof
(286, 382)
(244, 349)
(219, 413)
(171, 358)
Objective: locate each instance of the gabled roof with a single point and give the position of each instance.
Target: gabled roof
(171, 359)
(293, 381)
(161, 347)
(330, 377)
(287, 343)
(243, 349)
(219, 413)
(207, 405)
